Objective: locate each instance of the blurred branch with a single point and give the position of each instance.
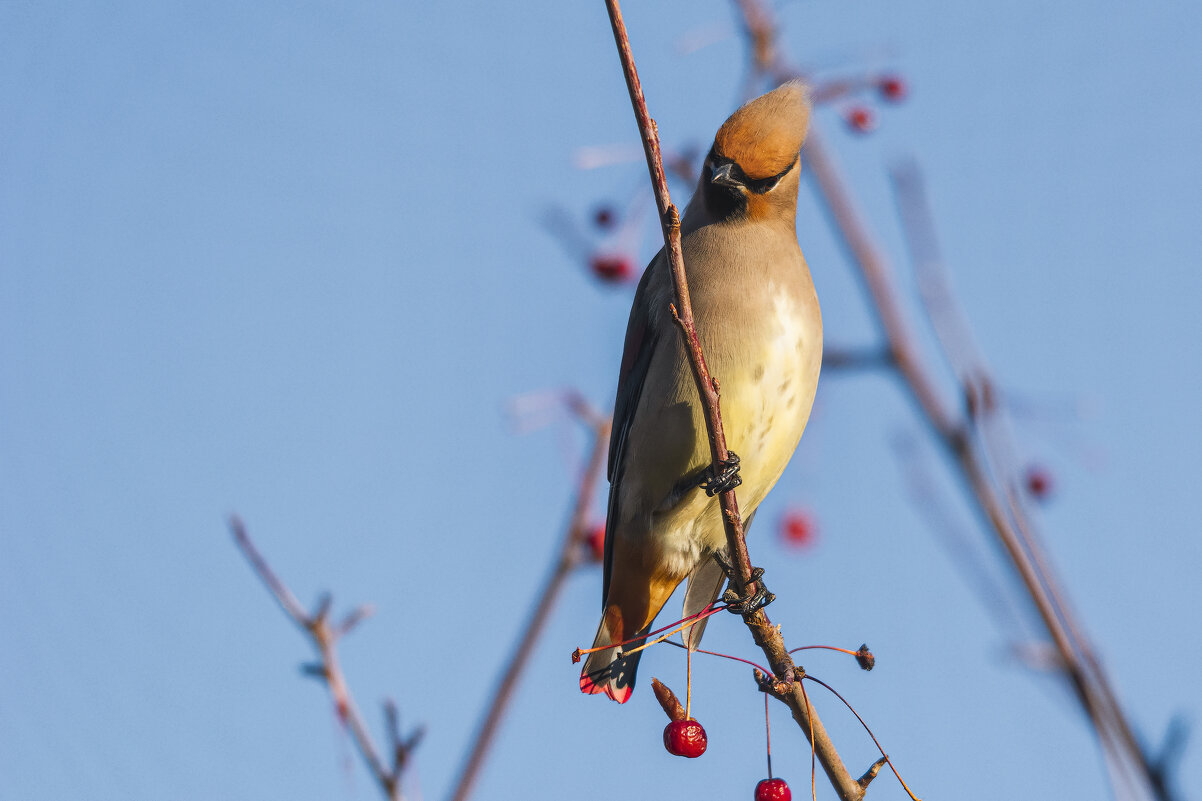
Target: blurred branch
(947, 319)
(974, 456)
(921, 486)
(324, 637)
(953, 432)
(835, 358)
(786, 684)
(996, 450)
(1165, 765)
(568, 558)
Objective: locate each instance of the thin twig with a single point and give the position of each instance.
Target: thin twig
(875, 741)
(323, 637)
(287, 601)
(763, 632)
(707, 386)
(565, 561)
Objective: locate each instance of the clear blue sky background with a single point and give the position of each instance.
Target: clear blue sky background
(286, 260)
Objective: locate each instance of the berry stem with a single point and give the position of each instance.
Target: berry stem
(761, 668)
(870, 734)
(767, 735)
(813, 751)
(687, 623)
(681, 624)
(827, 647)
(688, 683)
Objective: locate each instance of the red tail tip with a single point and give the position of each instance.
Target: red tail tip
(590, 687)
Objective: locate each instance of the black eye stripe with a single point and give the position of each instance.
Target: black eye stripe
(766, 184)
(756, 186)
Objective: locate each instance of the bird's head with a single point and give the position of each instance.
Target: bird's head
(752, 169)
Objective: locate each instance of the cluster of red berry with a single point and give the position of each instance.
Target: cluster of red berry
(612, 268)
(861, 118)
(685, 737)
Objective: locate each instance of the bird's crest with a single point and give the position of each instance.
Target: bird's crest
(765, 135)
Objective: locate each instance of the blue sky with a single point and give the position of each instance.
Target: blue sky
(287, 260)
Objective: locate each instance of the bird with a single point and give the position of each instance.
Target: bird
(757, 316)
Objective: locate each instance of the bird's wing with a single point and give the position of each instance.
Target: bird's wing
(642, 334)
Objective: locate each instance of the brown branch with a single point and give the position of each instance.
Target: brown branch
(324, 637)
(947, 319)
(956, 437)
(875, 274)
(996, 449)
(872, 771)
(1004, 514)
(766, 635)
(921, 487)
(707, 386)
(566, 560)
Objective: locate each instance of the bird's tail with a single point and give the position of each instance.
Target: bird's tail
(705, 583)
(605, 671)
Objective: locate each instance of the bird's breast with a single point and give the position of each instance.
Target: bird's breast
(761, 331)
(769, 386)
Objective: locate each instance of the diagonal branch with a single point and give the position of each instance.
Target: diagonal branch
(996, 449)
(766, 635)
(669, 217)
(956, 437)
(979, 458)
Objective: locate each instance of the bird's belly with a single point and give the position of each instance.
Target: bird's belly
(766, 416)
(766, 401)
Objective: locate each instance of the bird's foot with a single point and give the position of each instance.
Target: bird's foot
(722, 476)
(750, 603)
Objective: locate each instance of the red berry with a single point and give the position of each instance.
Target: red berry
(603, 217)
(613, 269)
(892, 88)
(773, 790)
(1039, 482)
(685, 738)
(860, 119)
(797, 528)
(596, 542)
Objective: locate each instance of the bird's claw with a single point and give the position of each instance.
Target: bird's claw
(746, 605)
(722, 476)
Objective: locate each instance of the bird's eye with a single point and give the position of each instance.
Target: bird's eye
(763, 185)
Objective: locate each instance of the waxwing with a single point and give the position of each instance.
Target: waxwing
(761, 331)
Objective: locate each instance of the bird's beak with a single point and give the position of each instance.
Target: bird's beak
(722, 176)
